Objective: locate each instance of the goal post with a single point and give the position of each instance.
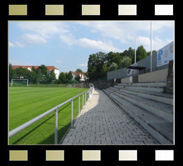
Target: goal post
(19, 82)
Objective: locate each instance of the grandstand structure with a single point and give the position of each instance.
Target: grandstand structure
(148, 97)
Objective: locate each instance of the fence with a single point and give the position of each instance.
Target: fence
(85, 95)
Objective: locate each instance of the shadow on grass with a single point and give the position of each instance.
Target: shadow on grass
(44, 142)
(51, 138)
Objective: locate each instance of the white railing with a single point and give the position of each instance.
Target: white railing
(85, 95)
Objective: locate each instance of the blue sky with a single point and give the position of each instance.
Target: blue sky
(68, 44)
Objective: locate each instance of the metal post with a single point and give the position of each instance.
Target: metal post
(135, 49)
(72, 113)
(85, 97)
(56, 126)
(82, 100)
(79, 105)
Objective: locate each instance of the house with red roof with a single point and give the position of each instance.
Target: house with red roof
(82, 76)
(50, 68)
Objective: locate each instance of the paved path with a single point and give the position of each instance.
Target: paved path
(101, 122)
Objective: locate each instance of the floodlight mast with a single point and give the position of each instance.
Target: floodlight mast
(151, 46)
(135, 48)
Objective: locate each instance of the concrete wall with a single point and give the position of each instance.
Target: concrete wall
(126, 80)
(156, 76)
(103, 84)
(120, 73)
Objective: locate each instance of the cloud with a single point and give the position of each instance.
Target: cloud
(58, 61)
(83, 65)
(16, 44)
(15, 62)
(44, 28)
(11, 44)
(88, 43)
(125, 31)
(40, 32)
(98, 45)
(157, 42)
(34, 39)
(69, 39)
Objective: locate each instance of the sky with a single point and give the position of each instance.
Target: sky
(68, 44)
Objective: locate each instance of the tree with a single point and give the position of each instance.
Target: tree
(77, 78)
(23, 72)
(129, 53)
(50, 77)
(104, 69)
(69, 76)
(113, 57)
(126, 61)
(43, 69)
(141, 53)
(95, 64)
(12, 73)
(39, 76)
(113, 66)
(62, 77)
(79, 71)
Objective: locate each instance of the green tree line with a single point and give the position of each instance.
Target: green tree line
(100, 63)
(41, 75)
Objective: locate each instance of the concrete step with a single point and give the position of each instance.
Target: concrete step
(159, 128)
(108, 91)
(160, 109)
(150, 84)
(149, 89)
(121, 85)
(163, 98)
(113, 89)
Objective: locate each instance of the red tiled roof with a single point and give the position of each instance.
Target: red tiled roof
(48, 67)
(77, 74)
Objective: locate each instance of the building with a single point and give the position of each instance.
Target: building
(82, 76)
(50, 68)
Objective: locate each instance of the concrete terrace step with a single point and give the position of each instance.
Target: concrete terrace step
(160, 109)
(150, 89)
(150, 84)
(159, 97)
(159, 128)
(113, 89)
(107, 91)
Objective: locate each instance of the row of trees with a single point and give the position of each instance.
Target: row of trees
(41, 75)
(100, 63)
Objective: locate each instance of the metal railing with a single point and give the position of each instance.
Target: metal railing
(85, 95)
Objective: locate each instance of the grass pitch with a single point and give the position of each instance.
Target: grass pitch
(25, 103)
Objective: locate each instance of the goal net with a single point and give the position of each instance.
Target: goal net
(19, 82)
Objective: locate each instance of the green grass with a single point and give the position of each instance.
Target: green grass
(25, 103)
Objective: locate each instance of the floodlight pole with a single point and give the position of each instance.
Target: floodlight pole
(151, 46)
(135, 48)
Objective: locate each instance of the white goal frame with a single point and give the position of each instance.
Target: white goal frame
(19, 80)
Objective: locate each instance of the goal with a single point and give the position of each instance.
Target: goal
(19, 82)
